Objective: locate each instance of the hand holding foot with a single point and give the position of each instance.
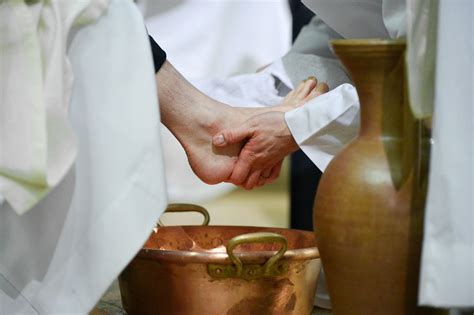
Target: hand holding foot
(194, 119)
(268, 137)
(269, 142)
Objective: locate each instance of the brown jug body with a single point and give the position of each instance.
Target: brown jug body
(369, 206)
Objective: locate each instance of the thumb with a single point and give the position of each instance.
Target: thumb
(231, 136)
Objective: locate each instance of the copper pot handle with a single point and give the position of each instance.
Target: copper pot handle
(258, 237)
(185, 207)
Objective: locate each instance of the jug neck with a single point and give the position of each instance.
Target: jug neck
(377, 70)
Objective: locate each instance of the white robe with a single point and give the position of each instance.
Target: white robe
(37, 144)
(60, 257)
(447, 266)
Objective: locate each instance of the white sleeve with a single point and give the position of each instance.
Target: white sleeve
(311, 55)
(394, 17)
(362, 19)
(314, 39)
(323, 126)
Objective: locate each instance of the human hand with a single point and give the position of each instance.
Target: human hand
(269, 141)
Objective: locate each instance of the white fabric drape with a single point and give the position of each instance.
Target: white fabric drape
(422, 20)
(37, 145)
(213, 39)
(62, 255)
(447, 270)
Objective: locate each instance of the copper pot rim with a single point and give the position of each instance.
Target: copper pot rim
(223, 258)
(190, 256)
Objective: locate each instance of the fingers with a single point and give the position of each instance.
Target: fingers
(266, 173)
(258, 178)
(232, 136)
(264, 176)
(253, 180)
(275, 172)
(269, 175)
(241, 171)
(262, 181)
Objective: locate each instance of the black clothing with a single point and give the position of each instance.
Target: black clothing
(301, 16)
(304, 175)
(159, 55)
(304, 181)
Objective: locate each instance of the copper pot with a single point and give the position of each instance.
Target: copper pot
(222, 270)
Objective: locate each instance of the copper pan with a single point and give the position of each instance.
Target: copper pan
(207, 270)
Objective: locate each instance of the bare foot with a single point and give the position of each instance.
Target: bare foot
(214, 165)
(194, 119)
(304, 92)
(211, 164)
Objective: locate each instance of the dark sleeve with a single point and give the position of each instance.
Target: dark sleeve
(301, 16)
(159, 55)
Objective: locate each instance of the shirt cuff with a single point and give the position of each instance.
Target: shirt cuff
(324, 125)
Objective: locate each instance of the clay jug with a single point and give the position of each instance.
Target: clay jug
(369, 206)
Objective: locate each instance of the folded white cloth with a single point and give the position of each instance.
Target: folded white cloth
(247, 90)
(62, 255)
(37, 145)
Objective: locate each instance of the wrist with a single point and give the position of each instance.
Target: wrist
(291, 144)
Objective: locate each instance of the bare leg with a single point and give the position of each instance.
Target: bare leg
(194, 119)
